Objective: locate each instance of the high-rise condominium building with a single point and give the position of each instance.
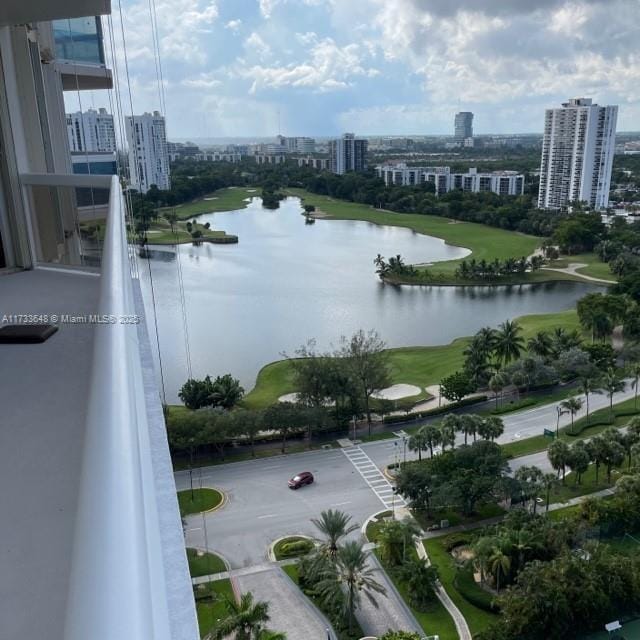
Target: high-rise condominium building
(347, 153)
(577, 154)
(463, 125)
(91, 131)
(148, 157)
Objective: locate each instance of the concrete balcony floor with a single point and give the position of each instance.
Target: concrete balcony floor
(43, 399)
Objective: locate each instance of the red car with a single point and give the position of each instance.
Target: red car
(306, 477)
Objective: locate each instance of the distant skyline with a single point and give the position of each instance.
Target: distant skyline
(377, 67)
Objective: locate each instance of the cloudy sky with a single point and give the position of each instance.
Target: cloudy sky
(320, 67)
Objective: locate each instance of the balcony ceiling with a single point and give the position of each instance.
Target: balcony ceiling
(20, 12)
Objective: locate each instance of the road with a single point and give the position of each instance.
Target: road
(260, 508)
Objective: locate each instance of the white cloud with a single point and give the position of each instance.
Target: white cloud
(233, 25)
(254, 43)
(202, 81)
(330, 67)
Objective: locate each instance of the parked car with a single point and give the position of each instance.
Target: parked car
(299, 480)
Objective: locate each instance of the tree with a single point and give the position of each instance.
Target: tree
(368, 364)
(244, 620)
(530, 479)
(448, 429)
(196, 393)
(343, 581)
(549, 480)
(612, 384)
(284, 417)
(497, 383)
(456, 386)
(418, 442)
(394, 537)
(333, 525)
(249, 424)
(226, 391)
(634, 371)
(540, 345)
(421, 580)
(571, 405)
(613, 454)
(500, 566)
(509, 342)
(171, 217)
(469, 424)
(587, 386)
(490, 428)
(267, 634)
(432, 436)
(578, 460)
(559, 454)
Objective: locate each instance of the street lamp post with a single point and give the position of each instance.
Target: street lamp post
(560, 412)
(354, 427)
(404, 450)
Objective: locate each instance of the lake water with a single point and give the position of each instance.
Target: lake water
(287, 281)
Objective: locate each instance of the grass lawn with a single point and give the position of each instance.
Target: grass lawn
(455, 517)
(211, 603)
(435, 620)
(588, 484)
(420, 366)
(205, 564)
(476, 618)
(203, 500)
(485, 242)
(228, 199)
(373, 528)
(160, 233)
(627, 545)
(292, 571)
(594, 266)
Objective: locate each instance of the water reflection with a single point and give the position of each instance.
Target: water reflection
(286, 282)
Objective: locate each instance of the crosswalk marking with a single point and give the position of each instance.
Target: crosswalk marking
(374, 478)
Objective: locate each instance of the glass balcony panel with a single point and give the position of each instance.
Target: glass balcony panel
(79, 40)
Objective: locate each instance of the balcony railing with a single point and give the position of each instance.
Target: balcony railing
(79, 40)
(118, 586)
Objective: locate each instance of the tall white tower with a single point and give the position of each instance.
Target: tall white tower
(91, 131)
(577, 154)
(148, 157)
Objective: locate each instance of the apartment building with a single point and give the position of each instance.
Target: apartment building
(577, 154)
(91, 131)
(148, 156)
(91, 542)
(347, 153)
(321, 164)
(509, 183)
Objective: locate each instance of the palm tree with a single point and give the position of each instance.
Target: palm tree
(540, 345)
(393, 538)
(549, 480)
(244, 620)
(571, 405)
(468, 424)
(227, 391)
(558, 454)
(611, 385)
(497, 383)
(634, 370)
(449, 426)
(432, 436)
(334, 525)
(509, 343)
(587, 386)
(490, 428)
(344, 580)
(171, 217)
(499, 564)
(418, 442)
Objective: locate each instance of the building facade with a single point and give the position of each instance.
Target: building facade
(91, 131)
(507, 183)
(148, 157)
(577, 155)
(321, 164)
(347, 153)
(463, 126)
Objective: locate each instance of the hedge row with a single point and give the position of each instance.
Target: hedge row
(467, 587)
(417, 415)
(600, 418)
(295, 549)
(514, 406)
